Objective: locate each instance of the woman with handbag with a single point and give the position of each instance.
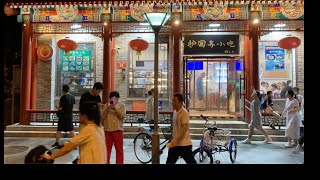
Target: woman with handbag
(65, 111)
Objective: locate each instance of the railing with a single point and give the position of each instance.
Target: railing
(49, 117)
(246, 101)
(267, 118)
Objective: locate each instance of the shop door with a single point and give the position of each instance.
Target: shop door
(212, 85)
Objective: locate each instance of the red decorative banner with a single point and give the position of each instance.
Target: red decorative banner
(121, 64)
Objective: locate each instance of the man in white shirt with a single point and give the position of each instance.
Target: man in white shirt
(180, 144)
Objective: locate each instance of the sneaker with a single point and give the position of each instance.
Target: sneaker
(288, 145)
(268, 140)
(299, 148)
(247, 141)
(56, 144)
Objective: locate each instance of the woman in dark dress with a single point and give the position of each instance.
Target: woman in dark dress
(65, 118)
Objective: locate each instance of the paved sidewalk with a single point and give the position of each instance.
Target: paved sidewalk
(15, 149)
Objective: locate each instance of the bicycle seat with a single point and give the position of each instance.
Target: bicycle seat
(212, 128)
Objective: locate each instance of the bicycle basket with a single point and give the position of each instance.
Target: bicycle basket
(167, 132)
(217, 138)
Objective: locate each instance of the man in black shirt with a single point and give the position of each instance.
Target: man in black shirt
(93, 94)
(285, 89)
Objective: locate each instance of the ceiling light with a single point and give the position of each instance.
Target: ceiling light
(214, 25)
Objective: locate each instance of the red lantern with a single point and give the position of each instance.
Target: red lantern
(139, 45)
(67, 44)
(289, 42)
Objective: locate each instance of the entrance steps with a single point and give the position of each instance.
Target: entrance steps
(239, 130)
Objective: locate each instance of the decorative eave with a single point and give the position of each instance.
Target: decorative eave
(88, 3)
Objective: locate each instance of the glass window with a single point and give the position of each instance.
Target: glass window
(277, 68)
(141, 72)
(76, 68)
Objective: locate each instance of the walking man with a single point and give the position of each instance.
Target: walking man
(180, 144)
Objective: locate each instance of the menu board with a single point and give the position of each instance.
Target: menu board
(76, 61)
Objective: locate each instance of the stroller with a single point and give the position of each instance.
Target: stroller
(35, 156)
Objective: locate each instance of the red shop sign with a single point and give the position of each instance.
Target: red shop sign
(121, 64)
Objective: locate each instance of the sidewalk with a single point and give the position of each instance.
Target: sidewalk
(15, 150)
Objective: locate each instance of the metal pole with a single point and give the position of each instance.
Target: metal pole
(155, 133)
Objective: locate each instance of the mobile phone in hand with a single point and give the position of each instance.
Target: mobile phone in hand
(111, 102)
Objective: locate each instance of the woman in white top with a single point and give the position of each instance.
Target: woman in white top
(149, 104)
(256, 118)
(292, 119)
(91, 138)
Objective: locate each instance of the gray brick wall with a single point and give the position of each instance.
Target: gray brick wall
(43, 74)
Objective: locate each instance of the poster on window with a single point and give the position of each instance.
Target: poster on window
(76, 61)
(274, 58)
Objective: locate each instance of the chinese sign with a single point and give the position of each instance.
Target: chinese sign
(121, 64)
(274, 58)
(76, 61)
(211, 44)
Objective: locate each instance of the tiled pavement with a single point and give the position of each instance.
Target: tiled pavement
(256, 153)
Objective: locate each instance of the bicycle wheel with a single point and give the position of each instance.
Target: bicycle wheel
(203, 156)
(142, 147)
(233, 146)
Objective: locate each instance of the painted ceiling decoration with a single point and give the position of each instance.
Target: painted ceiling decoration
(131, 11)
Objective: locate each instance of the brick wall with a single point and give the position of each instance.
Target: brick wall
(43, 73)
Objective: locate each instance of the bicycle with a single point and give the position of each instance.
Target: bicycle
(143, 142)
(215, 140)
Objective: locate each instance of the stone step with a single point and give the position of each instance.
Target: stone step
(193, 124)
(51, 134)
(40, 134)
(135, 129)
(34, 128)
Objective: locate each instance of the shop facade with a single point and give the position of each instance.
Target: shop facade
(213, 39)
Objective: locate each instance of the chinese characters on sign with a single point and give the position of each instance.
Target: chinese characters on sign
(274, 58)
(211, 44)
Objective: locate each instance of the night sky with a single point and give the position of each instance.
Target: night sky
(11, 39)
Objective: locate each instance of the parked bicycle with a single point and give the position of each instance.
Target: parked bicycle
(214, 140)
(143, 142)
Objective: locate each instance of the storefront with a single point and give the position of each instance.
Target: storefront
(105, 30)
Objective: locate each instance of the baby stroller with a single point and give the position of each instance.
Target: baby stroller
(35, 156)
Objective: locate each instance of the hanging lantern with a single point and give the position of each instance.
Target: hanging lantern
(67, 45)
(44, 52)
(289, 42)
(139, 45)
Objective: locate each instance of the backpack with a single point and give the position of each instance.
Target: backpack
(263, 104)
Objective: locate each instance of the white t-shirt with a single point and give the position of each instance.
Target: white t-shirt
(179, 118)
(92, 146)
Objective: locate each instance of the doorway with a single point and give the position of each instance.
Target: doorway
(213, 84)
